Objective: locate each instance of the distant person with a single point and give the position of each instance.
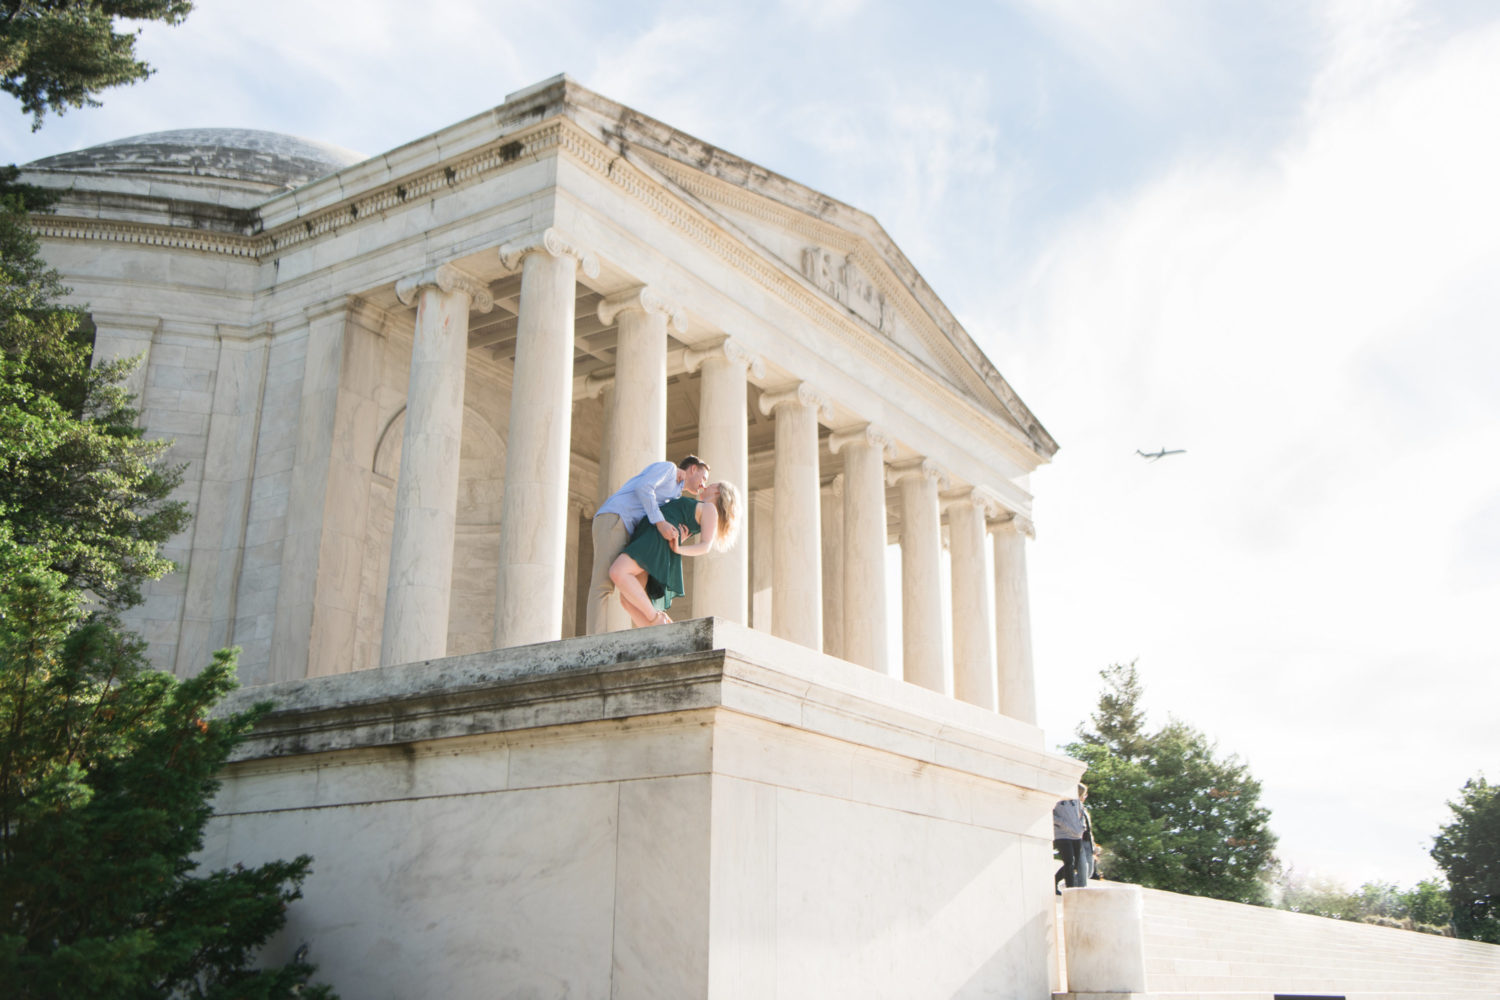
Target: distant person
(1070, 823)
(648, 574)
(617, 518)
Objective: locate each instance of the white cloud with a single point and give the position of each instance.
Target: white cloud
(1316, 327)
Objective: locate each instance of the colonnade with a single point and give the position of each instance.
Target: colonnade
(991, 641)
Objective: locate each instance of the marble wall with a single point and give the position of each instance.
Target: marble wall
(703, 812)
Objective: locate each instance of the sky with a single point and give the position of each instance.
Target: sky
(1263, 231)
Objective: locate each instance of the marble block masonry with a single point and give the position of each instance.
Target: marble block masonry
(400, 385)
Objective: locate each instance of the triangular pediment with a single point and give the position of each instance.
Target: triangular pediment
(848, 259)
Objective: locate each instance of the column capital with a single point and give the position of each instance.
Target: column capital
(643, 299)
(729, 349)
(925, 468)
(801, 393)
(979, 498)
(875, 437)
(594, 383)
(1018, 523)
(447, 278)
(550, 241)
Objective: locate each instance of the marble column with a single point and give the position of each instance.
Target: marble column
(533, 515)
(636, 428)
(796, 562)
(762, 517)
(865, 450)
(1016, 681)
(602, 387)
(831, 534)
(419, 584)
(973, 669)
(921, 574)
(721, 582)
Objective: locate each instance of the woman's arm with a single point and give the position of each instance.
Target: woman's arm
(708, 529)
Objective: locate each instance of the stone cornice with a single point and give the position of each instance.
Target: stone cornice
(411, 190)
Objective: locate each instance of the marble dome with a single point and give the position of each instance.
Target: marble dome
(245, 155)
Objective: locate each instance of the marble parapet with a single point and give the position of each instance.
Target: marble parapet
(707, 663)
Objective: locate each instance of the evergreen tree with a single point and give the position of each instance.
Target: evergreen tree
(57, 54)
(1169, 812)
(106, 766)
(1468, 852)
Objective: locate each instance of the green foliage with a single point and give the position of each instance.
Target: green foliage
(1423, 908)
(57, 54)
(1468, 852)
(1169, 812)
(1427, 903)
(106, 770)
(80, 488)
(106, 766)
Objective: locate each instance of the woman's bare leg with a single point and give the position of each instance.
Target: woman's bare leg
(630, 583)
(638, 618)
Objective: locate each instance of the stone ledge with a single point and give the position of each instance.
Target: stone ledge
(695, 665)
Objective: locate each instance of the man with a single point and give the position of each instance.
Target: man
(615, 521)
(1070, 826)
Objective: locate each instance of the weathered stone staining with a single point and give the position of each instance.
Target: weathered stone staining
(401, 386)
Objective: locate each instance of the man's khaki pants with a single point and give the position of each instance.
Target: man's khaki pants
(610, 539)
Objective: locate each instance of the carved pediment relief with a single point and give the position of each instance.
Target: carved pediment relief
(838, 275)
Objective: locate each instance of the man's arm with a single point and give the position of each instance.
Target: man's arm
(656, 476)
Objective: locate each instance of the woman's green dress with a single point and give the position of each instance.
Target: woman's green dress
(652, 553)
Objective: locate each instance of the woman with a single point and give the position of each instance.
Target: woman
(648, 574)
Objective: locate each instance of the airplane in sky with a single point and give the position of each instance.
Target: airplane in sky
(1152, 456)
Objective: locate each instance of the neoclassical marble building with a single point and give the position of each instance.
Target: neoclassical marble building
(401, 384)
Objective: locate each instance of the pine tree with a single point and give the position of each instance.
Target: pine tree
(1468, 852)
(107, 767)
(57, 54)
(1168, 811)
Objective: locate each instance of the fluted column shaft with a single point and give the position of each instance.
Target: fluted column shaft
(864, 452)
(973, 670)
(418, 587)
(796, 561)
(533, 529)
(721, 580)
(921, 578)
(637, 428)
(1015, 676)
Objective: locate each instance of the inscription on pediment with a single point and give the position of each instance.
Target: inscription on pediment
(840, 277)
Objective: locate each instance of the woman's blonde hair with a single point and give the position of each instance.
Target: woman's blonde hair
(728, 504)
